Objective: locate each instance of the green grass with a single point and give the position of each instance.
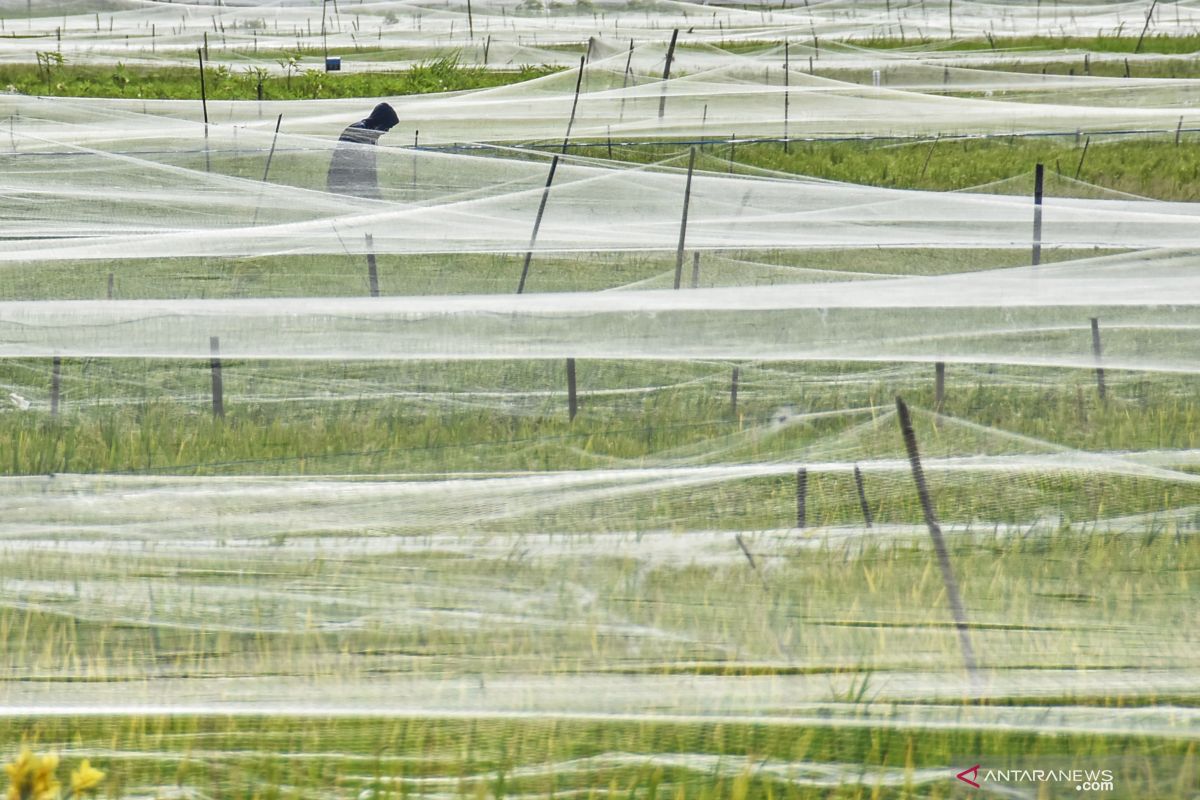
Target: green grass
(262, 757)
(305, 82)
(1127, 43)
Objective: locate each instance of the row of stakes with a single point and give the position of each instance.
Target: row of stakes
(572, 396)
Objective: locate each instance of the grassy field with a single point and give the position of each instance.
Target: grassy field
(1080, 581)
(304, 79)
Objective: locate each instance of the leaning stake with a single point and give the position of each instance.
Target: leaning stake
(935, 532)
(662, 101)
(1038, 183)
(204, 106)
(267, 168)
(687, 196)
(574, 104)
(218, 390)
(537, 223)
(1079, 167)
(862, 496)
(1100, 389)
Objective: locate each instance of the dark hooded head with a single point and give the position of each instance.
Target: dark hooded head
(383, 118)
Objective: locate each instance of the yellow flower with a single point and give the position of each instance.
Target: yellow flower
(85, 778)
(32, 777)
(18, 769)
(45, 785)
(19, 775)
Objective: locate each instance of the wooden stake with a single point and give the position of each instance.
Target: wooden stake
(1096, 351)
(1079, 167)
(939, 387)
(110, 286)
(1146, 27)
(1038, 183)
(271, 152)
(786, 93)
(574, 104)
(470, 20)
(935, 533)
(372, 272)
(687, 197)
(55, 384)
(537, 223)
(1178, 131)
(929, 155)
(267, 168)
(662, 100)
(625, 81)
(572, 398)
(696, 270)
(204, 105)
(801, 497)
(750, 558)
(862, 496)
(218, 389)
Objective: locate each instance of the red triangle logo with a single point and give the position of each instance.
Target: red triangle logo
(973, 772)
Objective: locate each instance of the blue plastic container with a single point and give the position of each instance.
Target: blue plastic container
(333, 63)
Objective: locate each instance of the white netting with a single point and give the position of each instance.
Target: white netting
(402, 513)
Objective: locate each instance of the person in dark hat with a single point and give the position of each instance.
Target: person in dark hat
(352, 168)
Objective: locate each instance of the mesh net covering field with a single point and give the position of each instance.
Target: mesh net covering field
(397, 518)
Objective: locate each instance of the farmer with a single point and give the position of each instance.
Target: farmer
(352, 168)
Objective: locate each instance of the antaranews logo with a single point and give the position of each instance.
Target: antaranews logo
(1085, 780)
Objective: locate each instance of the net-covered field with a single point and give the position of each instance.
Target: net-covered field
(806, 409)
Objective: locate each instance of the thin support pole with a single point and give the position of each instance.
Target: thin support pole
(111, 287)
(625, 81)
(786, 94)
(662, 100)
(939, 543)
(1079, 167)
(572, 397)
(1039, 174)
(218, 388)
(324, 37)
(537, 223)
(574, 104)
(267, 168)
(1146, 27)
(204, 106)
(750, 558)
(733, 391)
(696, 270)
(939, 387)
(687, 197)
(1178, 131)
(271, 152)
(801, 498)
(55, 384)
(372, 271)
(862, 496)
(1098, 352)
(470, 20)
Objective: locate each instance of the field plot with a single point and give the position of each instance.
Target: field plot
(691, 401)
